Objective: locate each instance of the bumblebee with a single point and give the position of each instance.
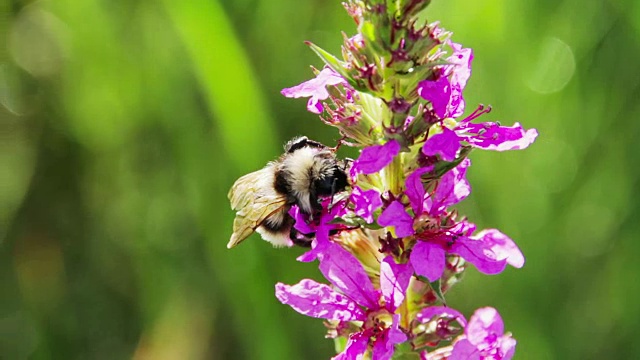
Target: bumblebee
(306, 172)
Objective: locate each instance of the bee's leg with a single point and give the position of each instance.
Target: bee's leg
(317, 208)
(300, 239)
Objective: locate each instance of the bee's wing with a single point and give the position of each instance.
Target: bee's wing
(254, 199)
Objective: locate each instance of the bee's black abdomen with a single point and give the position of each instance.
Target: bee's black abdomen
(279, 222)
(299, 239)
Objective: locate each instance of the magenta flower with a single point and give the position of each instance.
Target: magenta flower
(357, 300)
(490, 251)
(484, 338)
(502, 246)
(315, 89)
(374, 158)
(442, 323)
(487, 136)
(441, 312)
(321, 226)
(395, 215)
(445, 93)
(452, 188)
(428, 254)
(446, 144)
(366, 203)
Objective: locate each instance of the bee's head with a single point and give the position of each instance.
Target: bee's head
(328, 177)
(307, 171)
(302, 142)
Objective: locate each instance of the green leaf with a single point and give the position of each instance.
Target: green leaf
(340, 343)
(368, 31)
(333, 62)
(437, 288)
(405, 351)
(444, 166)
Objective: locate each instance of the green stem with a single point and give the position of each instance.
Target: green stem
(394, 175)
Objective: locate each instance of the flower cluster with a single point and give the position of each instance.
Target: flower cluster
(394, 244)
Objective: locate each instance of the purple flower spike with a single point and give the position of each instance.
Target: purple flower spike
(395, 215)
(315, 89)
(446, 144)
(374, 158)
(366, 203)
(484, 338)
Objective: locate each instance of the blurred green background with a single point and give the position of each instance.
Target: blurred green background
(124, 123)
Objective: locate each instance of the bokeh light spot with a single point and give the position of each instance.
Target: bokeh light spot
(37, 41)
(554, 68)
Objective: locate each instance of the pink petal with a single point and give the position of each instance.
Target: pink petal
(479, 254)
(300, 220)
(318, 247)
(438, 93)
(346, 273)
(366, 203)
(415, 189)
(429, 313)
(315, 88)
(428, 260)
(502, 246)
(395, 215)
(394, 280)
(453, 187)
(314, 105)
(374, 158)
(460, 60)
(318, 300)
(491, 136)
(484, 328)
(464, 350)
(355, 349)
(445, 144)
(507, 347)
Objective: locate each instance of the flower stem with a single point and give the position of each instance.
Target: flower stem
(394, 176)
